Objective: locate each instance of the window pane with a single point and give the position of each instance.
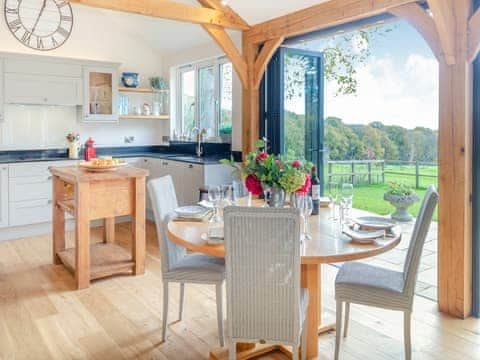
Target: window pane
(188, 101)
(206, 92)
(226, 99)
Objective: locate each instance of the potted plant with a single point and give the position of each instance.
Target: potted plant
(267, 173)
(401, 196)
(226, 133)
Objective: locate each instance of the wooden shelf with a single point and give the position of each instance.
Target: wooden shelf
(105, 260)
(145, 117)
(67, 206)
(141, 90)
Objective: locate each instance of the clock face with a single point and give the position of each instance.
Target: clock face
(39, 24)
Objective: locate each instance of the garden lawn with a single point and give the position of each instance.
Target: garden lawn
(370, 198)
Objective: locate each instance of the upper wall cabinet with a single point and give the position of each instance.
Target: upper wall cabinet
(100, 94)
(42, 82)
(2, 117)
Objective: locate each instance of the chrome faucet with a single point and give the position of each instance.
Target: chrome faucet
(200, 134)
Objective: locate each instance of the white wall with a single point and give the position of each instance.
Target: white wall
(97, 35)
(204, 52)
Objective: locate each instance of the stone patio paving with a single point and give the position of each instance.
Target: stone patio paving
(394, 260)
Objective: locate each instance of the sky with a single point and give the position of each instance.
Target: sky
(397, 86)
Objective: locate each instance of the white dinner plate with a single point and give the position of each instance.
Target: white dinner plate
(213, 239)
(374, 223)
(364, 237)
(191, 211)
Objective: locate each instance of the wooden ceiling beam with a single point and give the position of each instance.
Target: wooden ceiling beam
(263, 59)
(226, 44)
(419, 18)
(474, 36)
(217, 5)
(324, 15)
(445, 22)
(169, 10)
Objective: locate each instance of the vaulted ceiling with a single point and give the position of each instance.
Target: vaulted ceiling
(169, 36)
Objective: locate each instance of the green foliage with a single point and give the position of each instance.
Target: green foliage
(361, 142)
(400, 189)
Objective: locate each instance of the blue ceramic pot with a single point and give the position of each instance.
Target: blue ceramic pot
(130, 79)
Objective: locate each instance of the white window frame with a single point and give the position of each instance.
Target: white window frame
(216, 63)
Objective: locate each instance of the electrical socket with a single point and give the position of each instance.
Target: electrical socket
(129, 139)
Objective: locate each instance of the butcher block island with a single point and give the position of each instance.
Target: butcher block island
(103, 196)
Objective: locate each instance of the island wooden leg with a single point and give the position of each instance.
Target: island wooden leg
(109, 230)
(82, 236)
(311, 277)
(138, 226)
(58, 220)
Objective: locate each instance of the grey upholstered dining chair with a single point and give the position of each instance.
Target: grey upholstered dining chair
(264, 300)
(177, 265)
(374, 286)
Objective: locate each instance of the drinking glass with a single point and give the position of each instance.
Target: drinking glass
(305, 204)
(241, 195)
(215, 196)
(333, 197)
(266, 194)
(227, 193)
(347, 196)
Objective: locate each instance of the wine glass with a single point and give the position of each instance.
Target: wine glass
(347, 196)
(332, 196)
(215, 196)
(266, 194)
(305, 204)
(241, 195)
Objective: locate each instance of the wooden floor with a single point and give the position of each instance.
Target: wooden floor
(41, 317)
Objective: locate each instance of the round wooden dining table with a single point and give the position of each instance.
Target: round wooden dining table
(328, 245)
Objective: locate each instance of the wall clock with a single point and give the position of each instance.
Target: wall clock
(39, 24)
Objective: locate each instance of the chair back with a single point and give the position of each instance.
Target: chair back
(164, 202)
(420, 232)
(262, 248)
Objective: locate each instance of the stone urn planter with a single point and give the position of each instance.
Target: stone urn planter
(401, 204)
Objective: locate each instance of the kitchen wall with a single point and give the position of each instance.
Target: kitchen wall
(204, 52)
(96, 36)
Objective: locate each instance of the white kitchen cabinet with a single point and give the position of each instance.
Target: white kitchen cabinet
(30, 192)
(3, 195)
(2, 99)
(100, 94)
(43, 90)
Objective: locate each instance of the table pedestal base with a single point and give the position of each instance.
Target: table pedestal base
(249, 351)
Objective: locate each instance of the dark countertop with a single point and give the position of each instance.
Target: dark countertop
(157, 152)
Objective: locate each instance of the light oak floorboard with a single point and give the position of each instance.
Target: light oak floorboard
(43, 317)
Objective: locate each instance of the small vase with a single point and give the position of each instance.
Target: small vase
(277, 197)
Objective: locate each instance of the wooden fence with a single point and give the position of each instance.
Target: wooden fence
(373, 171)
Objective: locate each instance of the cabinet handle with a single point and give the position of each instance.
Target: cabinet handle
(165, 163)
(190, 166)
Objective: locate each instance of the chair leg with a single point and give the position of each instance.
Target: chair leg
(347, 318)
(232, 350)
(219, 299)
(295, 350)
(182, 300)
(338, 328)
(304, 341)
(165, 310)
(407, 334)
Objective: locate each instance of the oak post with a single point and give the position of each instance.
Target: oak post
(455, 173)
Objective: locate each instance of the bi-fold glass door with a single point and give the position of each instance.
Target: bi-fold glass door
(292, 100)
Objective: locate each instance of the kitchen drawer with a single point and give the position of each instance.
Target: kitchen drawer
(30, 188)
(36, 168)
(30, 212)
